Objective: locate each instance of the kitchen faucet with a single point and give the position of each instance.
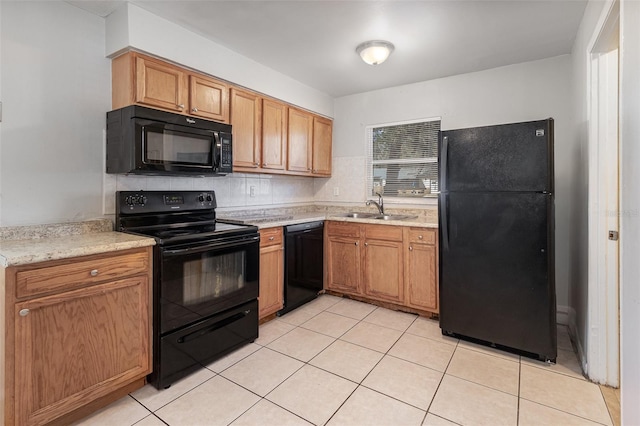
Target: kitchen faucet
(379, 204)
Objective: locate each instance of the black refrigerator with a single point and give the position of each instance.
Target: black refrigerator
(496, 218)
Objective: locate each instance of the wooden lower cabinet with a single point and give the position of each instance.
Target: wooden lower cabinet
(271, 298)
(67, 349)
(383, 263)
(343, 257)
(387, 263)
(421, 268)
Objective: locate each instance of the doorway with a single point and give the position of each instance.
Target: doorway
(603, 337)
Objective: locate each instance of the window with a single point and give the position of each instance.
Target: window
(403, 159)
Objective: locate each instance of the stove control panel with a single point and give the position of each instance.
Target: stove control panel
(205, 198)
(135, 200)
(132, 202)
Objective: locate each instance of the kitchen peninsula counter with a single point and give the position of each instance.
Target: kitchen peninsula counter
(29, 244)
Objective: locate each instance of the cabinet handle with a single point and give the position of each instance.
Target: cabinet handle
(181, 106)
(23, 312)
(366, 244)
(94, 273)
(410, 248)
(315, 170)
(194, 109)
(271, 238)
(264, 164)
(256, 164)
(357, 243)
(419, 237)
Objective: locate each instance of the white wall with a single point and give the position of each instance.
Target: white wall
(0, 101)
(133, 27)
(523, 92)
(579, 210)
(55, 91)
(630, 207)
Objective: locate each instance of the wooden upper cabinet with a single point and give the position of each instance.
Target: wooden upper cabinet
(322, 142)
(274, 134)
(143, 80)
(246, 125)
(269, 136)
(208, 98)
(300, 141)
(159, 85)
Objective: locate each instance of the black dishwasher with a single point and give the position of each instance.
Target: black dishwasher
(303, 264)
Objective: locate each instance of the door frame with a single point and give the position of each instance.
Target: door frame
(602, 363)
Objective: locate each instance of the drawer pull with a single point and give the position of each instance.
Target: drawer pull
(419, 237)
(24, 312)
(410, 248)
(271, 238)
(366, 244)
(356, 243)
(94, 273)
(194, 109)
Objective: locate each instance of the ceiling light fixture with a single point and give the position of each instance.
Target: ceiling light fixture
(374, 52)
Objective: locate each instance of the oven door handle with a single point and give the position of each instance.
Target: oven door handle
(200, 249)
(197, 334)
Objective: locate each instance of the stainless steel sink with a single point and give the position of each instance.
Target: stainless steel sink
(393, 217)
(356, 215)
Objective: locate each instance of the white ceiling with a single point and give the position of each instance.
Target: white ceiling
(314, 41)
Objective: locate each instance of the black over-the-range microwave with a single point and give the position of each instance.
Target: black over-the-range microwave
(151, 142)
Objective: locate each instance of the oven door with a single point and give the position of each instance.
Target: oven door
(196, 282)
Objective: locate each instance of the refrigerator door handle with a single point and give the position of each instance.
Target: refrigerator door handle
(443, 163)
(445, 223)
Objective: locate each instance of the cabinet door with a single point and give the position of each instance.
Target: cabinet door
(271, 297)
(78, 346)
(421, 275)
(299, 141)
(246, 125)
(383, 266)
(274, 134)
(208, 98)
(343, 272)
(321, 146)
(160, 85)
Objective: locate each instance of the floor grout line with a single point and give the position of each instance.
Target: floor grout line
(384, 354)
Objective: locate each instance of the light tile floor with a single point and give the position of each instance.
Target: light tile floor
(340, 362)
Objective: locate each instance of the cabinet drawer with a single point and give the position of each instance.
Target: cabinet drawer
(79, 273)
(343, 229)
(383, 232)
(422, 235)
(270, 237)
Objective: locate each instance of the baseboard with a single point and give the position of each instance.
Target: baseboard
(562, 315)
(573, 334)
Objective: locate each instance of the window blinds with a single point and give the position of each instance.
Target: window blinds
(402, 159)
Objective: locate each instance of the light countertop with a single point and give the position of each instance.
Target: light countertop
(311, 217)
(20, 252)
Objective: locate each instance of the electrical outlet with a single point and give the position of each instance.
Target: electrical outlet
(336, 191)
(252, 191)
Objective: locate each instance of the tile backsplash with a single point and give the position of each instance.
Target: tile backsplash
(345, 187)
(232, 191)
